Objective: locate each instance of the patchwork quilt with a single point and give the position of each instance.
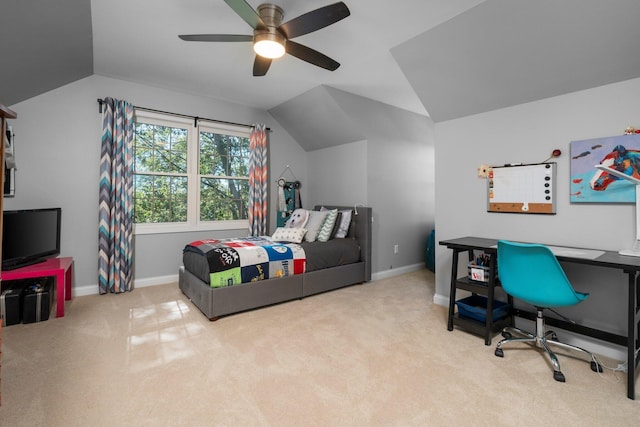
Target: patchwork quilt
(243, 260)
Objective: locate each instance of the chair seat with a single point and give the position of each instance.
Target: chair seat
(580, 296)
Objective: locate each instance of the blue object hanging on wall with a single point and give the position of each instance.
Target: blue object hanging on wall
(289, 200)
(430, 252)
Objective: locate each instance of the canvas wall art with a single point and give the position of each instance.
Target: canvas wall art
(591, 185)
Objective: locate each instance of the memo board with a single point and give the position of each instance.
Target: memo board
(528, 189)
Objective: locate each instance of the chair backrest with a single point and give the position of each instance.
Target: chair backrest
(531, 273)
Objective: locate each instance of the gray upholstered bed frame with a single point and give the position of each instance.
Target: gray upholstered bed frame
(216, 302)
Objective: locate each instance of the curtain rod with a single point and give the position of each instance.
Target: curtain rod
(195, 118)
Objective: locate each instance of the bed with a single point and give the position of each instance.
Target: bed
(215, 302)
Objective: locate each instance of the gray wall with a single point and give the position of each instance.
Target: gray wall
(338, 175)
(391, 171)
(528, 133)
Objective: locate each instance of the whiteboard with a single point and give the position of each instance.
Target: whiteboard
(526, 189)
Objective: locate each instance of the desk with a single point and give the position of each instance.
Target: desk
(608, 259)
(60, 268)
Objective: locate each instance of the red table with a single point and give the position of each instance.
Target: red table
(60, 268)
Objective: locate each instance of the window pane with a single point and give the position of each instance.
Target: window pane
(160, 199)
(223, 155)
(223, 199)
(160, 149)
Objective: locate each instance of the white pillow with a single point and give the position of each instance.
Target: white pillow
(316, 219)
(292, 235)
(327, 227)
(345, 222)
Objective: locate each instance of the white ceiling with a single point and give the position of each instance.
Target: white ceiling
(445, 58)
(148, 49)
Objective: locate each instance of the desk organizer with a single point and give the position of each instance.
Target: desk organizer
(478, 273)
(475, 307)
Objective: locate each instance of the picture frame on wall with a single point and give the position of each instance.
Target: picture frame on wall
(589, 184)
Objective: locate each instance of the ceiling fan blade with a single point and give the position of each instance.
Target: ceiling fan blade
(216, 38)
(261, 66)
(246, 12)
(311, 56)
(314, 20)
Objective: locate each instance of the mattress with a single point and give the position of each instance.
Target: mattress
(319, 255)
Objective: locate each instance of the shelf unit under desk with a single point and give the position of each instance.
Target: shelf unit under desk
(489, 327)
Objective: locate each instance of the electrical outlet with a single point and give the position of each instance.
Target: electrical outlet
(395, 249)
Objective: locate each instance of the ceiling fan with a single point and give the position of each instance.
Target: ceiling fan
(271, 39)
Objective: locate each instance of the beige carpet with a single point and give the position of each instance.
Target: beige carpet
(377, 354)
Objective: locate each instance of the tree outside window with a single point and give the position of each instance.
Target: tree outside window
(189, 176)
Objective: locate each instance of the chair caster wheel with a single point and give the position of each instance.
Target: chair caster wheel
(499, 352)
(596, 367)
(506, 335)
(558, 376)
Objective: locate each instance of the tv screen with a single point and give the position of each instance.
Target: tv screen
(30, 236)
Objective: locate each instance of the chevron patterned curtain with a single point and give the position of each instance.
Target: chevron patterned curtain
(258, 181)
(115, 230)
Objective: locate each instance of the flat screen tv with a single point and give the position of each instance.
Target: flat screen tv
(30, 236)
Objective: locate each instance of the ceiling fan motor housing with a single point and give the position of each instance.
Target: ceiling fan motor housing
(272, 16)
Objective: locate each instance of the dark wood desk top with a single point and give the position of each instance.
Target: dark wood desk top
(609, 259)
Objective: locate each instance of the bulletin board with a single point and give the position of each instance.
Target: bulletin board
(525, 189)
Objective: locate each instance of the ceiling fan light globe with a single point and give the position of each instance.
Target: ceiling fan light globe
(269, 45)
(268, 49)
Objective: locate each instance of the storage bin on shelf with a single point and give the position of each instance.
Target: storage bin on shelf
(478, 273)
(479, 269)
(475, 307)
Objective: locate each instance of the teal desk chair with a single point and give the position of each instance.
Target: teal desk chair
(531, 273)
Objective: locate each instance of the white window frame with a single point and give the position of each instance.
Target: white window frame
(193, 222)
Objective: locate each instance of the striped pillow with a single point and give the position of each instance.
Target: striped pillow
(327, 227)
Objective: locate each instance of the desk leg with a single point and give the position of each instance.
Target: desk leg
(60, 294)
(491, 287)
(68, 282)
(452, 290)
(632, 334)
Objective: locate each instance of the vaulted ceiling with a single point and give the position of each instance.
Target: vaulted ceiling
(443, 58)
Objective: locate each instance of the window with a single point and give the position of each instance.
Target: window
(189, 177)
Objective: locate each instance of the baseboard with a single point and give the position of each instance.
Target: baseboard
(397, 271)
(139, 283)
(439, 299)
